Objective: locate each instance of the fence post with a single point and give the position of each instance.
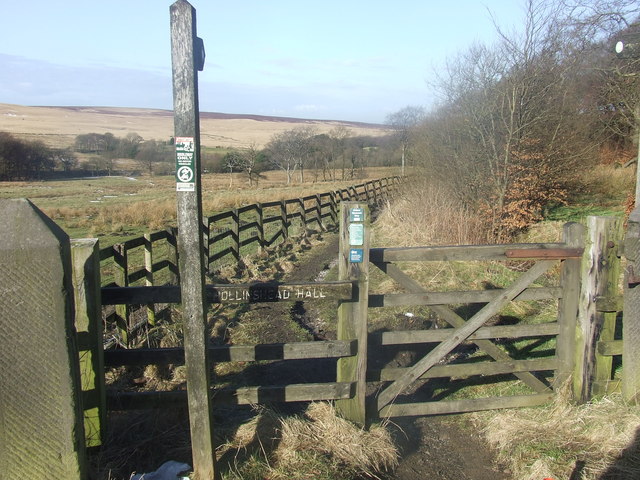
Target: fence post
(172, 255)
(206, 235)
(631, 311)
(41, 418)
(284, 220)
(319, 213)
(353, 264)
(600, 275)
(573, 237)
(148, 267)
(303, 215)
(187, 57)
(260, 223)
(235, 229)
(88, 322)
(121, 276)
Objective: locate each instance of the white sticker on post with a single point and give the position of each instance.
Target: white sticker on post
(185, 164)
(356, 234)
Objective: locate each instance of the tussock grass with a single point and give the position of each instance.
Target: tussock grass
(426, 214)
(595, 441)
(315, 445)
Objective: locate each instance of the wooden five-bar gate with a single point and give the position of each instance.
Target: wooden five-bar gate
(356, 348)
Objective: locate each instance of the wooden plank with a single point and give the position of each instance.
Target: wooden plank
(544, 253)
(304, 392)
(610, 347)
(484, 333)
(468, 369)
(392, 391)
(133, 243)
(608, 387)
(455, 253)
(465, 405)
(609, 304)
(460, 297)
(456, 320)
(241, 293)
(234, 353)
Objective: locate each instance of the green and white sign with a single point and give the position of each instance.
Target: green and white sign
(356, 215)
(185, 164)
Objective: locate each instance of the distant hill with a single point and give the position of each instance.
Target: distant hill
(58, 126)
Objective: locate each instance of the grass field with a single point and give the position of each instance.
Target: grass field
(117, 208)
(59, 126)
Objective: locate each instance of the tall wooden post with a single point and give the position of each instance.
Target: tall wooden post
(600, 276)
(187, 56)
(85, 262)
(353, 264)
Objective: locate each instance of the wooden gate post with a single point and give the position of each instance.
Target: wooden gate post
(85, 255)
(353, 264)
(187, 56)
(631, 311)
(573, 236)
(600, 276)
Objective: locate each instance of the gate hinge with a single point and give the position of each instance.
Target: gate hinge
(632, 279)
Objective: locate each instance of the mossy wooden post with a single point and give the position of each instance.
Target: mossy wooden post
(600, 276)
(631, 311)
(148, 267)
(121, 275)
(88, 322)
(353, 264)
(187, 56)
(41, 417)
(573, 237)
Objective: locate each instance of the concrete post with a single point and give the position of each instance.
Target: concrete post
(41, 424)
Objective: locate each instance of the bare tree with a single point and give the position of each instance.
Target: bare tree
(510, 124)
(405, 121)
(290, 149)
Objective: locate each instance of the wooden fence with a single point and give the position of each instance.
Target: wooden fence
(579, 347)
(152, 259)
(576, 283)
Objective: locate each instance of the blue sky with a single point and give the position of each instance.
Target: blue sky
(332, 59)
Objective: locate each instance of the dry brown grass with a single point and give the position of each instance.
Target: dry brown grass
(316, 445)
(426, 214)
(562, 438)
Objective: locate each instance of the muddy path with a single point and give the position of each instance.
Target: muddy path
(438, 447)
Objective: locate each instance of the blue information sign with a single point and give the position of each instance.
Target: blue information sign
(356, 255)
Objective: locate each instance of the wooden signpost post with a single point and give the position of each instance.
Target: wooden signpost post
(353, 265)
(187, 57)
